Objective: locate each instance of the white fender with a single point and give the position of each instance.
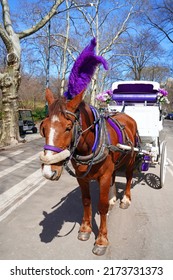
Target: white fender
(54, 158)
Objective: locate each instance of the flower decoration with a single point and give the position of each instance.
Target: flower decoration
(162, 96)
(105, 96)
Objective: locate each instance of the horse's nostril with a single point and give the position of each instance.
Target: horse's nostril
(54, 173)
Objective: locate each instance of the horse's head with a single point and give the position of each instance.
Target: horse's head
(57, 129)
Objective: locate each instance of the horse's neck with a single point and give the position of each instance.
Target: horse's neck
(86, 115)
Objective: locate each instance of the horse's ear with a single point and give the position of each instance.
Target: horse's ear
(73, 104)
(49, 96)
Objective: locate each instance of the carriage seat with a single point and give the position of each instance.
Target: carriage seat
(135, 92)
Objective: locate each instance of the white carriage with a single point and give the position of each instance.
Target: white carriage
(139, 99)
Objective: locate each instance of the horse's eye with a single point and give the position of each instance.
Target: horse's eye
(68, 128)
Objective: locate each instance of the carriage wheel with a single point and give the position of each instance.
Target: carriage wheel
(163, 158)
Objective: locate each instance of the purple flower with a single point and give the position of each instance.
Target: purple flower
(163, 92)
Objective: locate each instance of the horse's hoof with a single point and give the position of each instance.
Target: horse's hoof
(83, 236)
(99, 250)
(124, 205)
(125, 202)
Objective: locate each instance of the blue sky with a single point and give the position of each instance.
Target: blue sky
(15, 6)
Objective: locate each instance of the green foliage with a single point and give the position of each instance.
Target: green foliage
(39, 114)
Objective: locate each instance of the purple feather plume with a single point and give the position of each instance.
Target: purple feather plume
(83, 70)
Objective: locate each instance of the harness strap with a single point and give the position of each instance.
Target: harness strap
(96, 120)
(76, 137)
(73, 174)
(117, 127)
(73, 114)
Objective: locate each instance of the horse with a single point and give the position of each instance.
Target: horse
(78, 132)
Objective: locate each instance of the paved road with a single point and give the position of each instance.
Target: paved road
(39, 219)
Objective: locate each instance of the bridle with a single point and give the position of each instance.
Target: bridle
(75, 123)
(76, 134)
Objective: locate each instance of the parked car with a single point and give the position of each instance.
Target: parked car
(169, 116)
(26, 122)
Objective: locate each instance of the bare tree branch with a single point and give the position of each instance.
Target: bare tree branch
(6, 17)
(121, 30)
(6, 39)
(160, 28)
(42, 22)
(7, 33)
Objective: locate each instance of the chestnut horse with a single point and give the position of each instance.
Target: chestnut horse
(70, 133)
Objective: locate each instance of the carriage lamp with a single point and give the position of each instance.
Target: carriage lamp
(146, 163)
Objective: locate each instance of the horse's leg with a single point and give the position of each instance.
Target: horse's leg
(126, 200)
(112, 193)
(102, 239)
(85, 228)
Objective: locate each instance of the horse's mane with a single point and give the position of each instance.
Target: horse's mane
(57, 106)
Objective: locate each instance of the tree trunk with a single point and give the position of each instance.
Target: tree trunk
(9, 85)
(64, 63)
(94, 88)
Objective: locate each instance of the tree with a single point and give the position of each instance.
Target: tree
(155, 72)
(140, 51)
(10, 79)
(160, 16)
(169, 87)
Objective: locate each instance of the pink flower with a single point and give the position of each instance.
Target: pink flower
(162, 96)
(105, 96)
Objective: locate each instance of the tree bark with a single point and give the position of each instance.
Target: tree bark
(10, 81)
(9, 85)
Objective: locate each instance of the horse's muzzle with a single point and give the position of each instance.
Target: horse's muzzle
(51, 172)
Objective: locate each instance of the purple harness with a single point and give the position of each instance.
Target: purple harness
(96, 140)
(116, 128)
(52, 148)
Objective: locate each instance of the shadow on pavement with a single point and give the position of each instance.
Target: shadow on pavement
(68, 209)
